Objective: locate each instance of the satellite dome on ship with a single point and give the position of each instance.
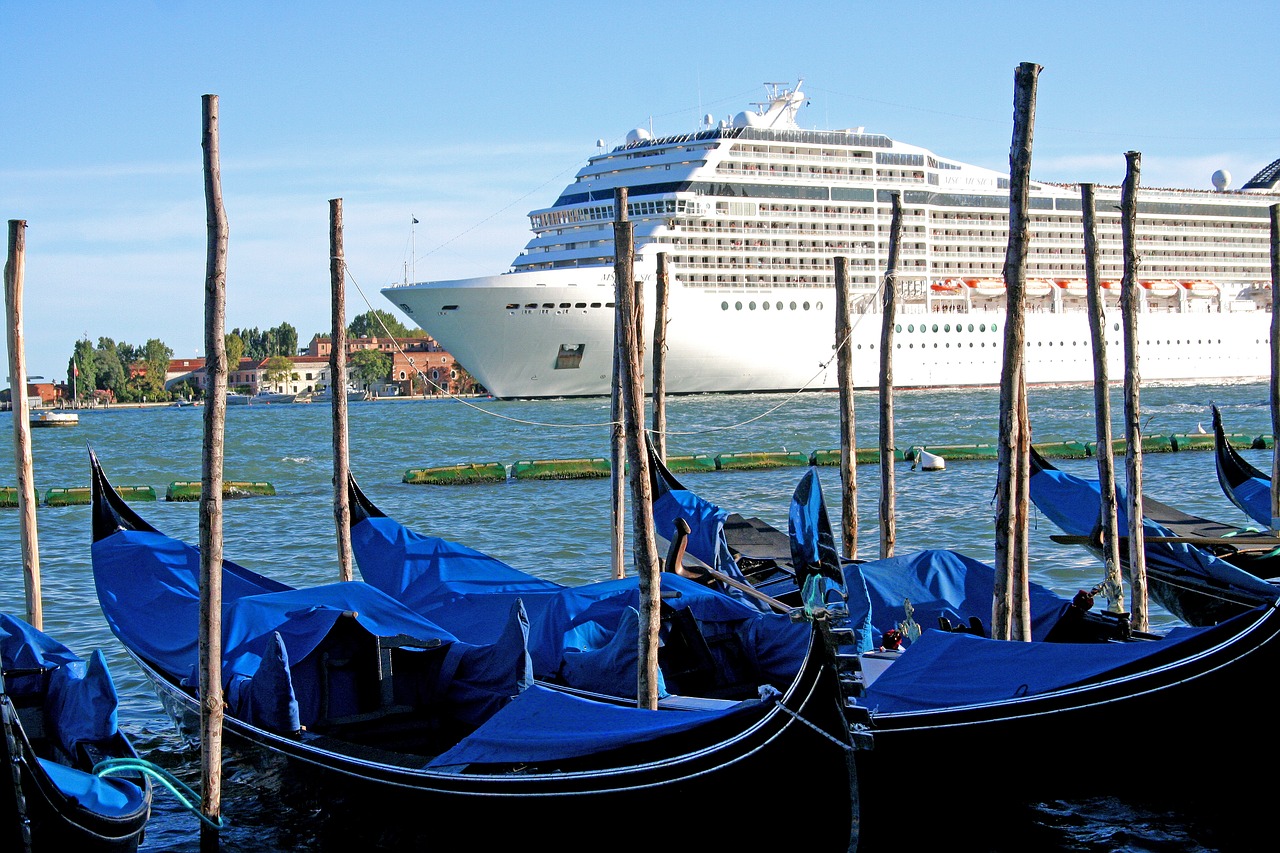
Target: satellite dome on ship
(638, 135)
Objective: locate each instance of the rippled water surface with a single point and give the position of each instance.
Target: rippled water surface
(561, 530)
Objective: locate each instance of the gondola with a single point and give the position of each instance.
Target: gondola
(950, 707)
(1193, 569)
(60, 739)
(1243, 484)
(437, 737)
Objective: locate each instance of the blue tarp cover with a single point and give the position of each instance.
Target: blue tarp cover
(542, 724)
(1073, 503)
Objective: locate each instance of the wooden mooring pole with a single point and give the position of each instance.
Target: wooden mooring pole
(630, 375)
(1113, 588)
(212, 706)
(888, 496)
(661, 288)
(848, 444)
(1011, 617)
(622, 263)
(14, 274)
(338, 391)
(1129, 296)
(1275, 367)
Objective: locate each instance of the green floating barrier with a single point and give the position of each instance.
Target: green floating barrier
(189, 490)
(1062, 449)
(863, 455)
(694, 464)
(750, 461)
(1150, 444)
(8, 497)
(951, 452)
(457, 475)
(81, 495)
(561, 469)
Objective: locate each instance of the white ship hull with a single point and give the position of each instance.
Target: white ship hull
(513, 352)
(754, 215)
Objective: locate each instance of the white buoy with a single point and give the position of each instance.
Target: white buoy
(928, 461)
(1200, 430)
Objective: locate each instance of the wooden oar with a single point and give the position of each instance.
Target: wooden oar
(675, 563)
(1269, 541)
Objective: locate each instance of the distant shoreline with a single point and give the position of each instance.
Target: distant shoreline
(173, 404)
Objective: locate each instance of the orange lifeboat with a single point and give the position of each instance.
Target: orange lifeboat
(1072, 286)
(1201, 288)
(1160, 288)
(950, 286)
(1038, 287)
(986, 286)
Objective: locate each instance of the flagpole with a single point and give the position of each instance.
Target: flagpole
(413, 255)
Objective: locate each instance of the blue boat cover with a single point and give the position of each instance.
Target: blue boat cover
(964, 669)
(1074, 504)
(148, 586)
(585, 636)
(542, 724)
(940, 583)
(80, 705)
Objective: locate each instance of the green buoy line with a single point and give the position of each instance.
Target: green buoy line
(597, 467)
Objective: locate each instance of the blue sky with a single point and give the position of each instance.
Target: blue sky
(469, 115)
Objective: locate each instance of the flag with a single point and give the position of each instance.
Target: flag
(75, 370)
(415, 220)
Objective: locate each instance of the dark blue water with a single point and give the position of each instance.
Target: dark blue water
(561, 530)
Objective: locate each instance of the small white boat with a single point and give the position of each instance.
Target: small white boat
(54, 419)
(265, 396)
(354, 395)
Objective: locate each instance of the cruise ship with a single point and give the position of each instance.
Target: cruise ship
(751, 213)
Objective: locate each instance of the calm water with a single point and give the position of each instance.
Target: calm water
(561, 530)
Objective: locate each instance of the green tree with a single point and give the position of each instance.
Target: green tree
(278, 370)
(380, 324)
(235, 349)
(370, 366)
(82, 372)
(111, 373)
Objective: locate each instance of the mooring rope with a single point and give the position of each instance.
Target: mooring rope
(188, 798)
(788, 400)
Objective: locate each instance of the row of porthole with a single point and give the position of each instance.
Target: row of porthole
(751, 306)
(1039, 344)
(946, 327)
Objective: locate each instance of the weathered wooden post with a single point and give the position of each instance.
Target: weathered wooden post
(1132, 380)
(660, 358)
(14, 273)
(1114, 589)
(848, 444)
(338, 391)
(1010, 616)
(212, 706)
(622, 252)
(888, 498)
(1275, 368)
(630, 376)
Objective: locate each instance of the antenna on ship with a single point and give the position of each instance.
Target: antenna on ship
(413, 257)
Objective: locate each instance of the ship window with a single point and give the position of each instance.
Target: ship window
(935, 327)
(971, 327)
(532, 305)
(564, 304)
(779, 306)
(806, 306)
(945, 328)
(911, 327)
(724, 306)
(548, 305)
(764, 305)
(448, 307)
(793, 306)
(595, 304)
(751, 305)
(818, 305)
(570, 356)
(737, 306)
(580, 305)
(512, 305)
